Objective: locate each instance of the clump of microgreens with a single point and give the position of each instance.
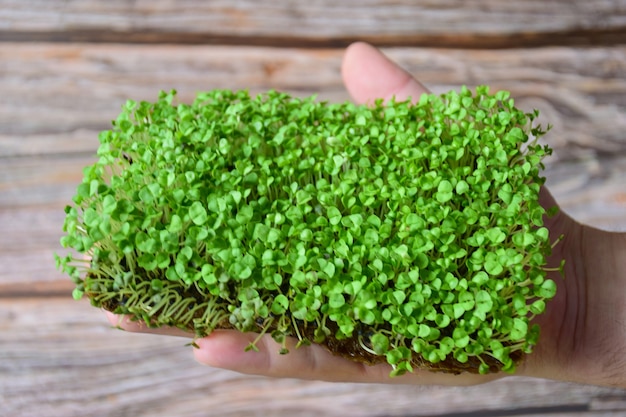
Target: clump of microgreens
(413, 230)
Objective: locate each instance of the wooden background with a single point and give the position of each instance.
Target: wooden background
(66, 67)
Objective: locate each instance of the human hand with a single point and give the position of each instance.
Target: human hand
(574, 343)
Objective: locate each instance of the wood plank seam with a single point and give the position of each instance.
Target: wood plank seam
(574, 37)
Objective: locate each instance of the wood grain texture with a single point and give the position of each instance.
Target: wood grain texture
(59, 96)
(94, 370)
(67, 67)
(473, 23)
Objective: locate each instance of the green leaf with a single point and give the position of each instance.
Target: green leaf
(156, 284)
(484, 303)
(197, 213)
(374, 221)
(336, 300)
(380, 343)
(483, 369)
(377, 265)
(523, 239)
(493, 265)
(334, 215)
(520, 329)
(547, 289)
(480, 278)
(327, 267)
(236, 195)
(306, 235)
(280, 304)
(444, 191)
(261, 232)
(91, 218)
(442, 320)
(109, 204)
(543, 234)
(495, 235)
(538, 307)
(424, 331)
(176, 224)
(462, 187)
(273, 235)
(93, 187)
(240, 271)
(77, 293)
(402, 251)
(399, 297)
(244, 215)
(398, 354)
(371, 237)
(147, 261)
(145, 243)
(460, 337)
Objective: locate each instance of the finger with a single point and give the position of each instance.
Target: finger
(369, 75)
(138, 326)
(226, 349)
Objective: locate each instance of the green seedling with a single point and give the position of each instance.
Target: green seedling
(403, 233)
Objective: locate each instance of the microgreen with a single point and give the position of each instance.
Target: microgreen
(411, 231)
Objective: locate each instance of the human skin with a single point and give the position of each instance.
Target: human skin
(583, 331)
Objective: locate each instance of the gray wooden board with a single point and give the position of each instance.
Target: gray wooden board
(67, 67)
(475, 23)
(60, 358)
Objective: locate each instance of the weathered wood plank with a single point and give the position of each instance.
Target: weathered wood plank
(56, 92)
(56, 97)
(472, 23)
(60, 358)
(591, 190)
(30, 238)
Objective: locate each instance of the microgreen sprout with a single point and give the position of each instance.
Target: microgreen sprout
(403, 233)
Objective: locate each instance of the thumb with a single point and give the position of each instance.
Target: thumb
(369, 75)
